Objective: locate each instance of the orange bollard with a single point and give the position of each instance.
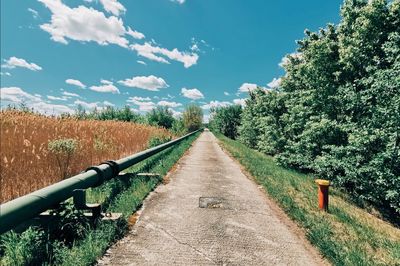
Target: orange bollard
(323, 193)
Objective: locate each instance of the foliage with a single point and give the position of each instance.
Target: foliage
(158, 140)
(226, 120)
(27, 161)
(109, 113)
(69, 224)
(178, 127)
(63, 149)
(70, 241)
(346, 235)
(193, 117)
(22, 249)
(160, 116)
(337, 110)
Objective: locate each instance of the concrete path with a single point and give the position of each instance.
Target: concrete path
(237, 226)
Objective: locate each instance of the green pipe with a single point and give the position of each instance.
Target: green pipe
(21, 209)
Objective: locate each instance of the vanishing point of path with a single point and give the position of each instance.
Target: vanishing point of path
(237, 226)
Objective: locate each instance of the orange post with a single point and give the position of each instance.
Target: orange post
(323, 193)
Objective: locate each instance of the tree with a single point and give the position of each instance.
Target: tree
(193, 117)
(227, 120)
(337, 110)
(160, 116)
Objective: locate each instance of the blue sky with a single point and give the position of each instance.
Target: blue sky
(58, 54)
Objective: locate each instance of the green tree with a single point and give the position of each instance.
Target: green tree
(193, 117)
(227, 120)
(336, 112)
(160, 116)
(178, 127)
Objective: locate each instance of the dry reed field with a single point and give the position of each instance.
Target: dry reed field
(28, 162)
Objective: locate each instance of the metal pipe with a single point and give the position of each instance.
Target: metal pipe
(15, 212)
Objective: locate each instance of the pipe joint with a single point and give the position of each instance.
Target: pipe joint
(114, 167)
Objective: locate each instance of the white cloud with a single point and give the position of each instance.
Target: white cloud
(179, 1)
(193, 94)
(151, 83)
(113, 6)
(200, 46)
(175, 114)
(106, 86)
(141, 62)
(226, 93)
(107, 82)
(155, 53)
(75, 82)
(169, 104)
(215, 104)
(35, 14)
(107, 103)
(144, 104)
(70, 94)
(248, 87)
(195, 48)
(16, 95)
(274, 83)
(135, 34)
(83, 24)
(136, 98)
(241, 102)
(87, 105)
(86, 24)
(54, 98)
(5, 73)
(14, 62)
(285, 59)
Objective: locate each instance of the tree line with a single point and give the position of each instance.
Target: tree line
(336, 112)
(190, 120)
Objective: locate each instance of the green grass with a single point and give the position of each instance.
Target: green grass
(36, 247)
(346, 235)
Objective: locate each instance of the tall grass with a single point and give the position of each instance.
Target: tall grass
(347, 235)
(124, 195)
(27, 164)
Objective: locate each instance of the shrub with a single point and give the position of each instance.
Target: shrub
(63, 149)
(160, 116)
(226, 120)
(337, 110)
(193, 117)
(158, 140)
(178, 127)
(26, 248)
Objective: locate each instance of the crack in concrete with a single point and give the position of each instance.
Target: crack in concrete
(182, 243)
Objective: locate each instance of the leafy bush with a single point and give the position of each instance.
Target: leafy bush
(63, 149)
(178, 127)
(160, 116)
(109, 113)
(193, 117)
(22, 249)
(337, 110)
(226, 120)
(158, 140)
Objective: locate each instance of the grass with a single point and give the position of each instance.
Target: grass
(28, 158)
(346, 235)
(124, 195)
